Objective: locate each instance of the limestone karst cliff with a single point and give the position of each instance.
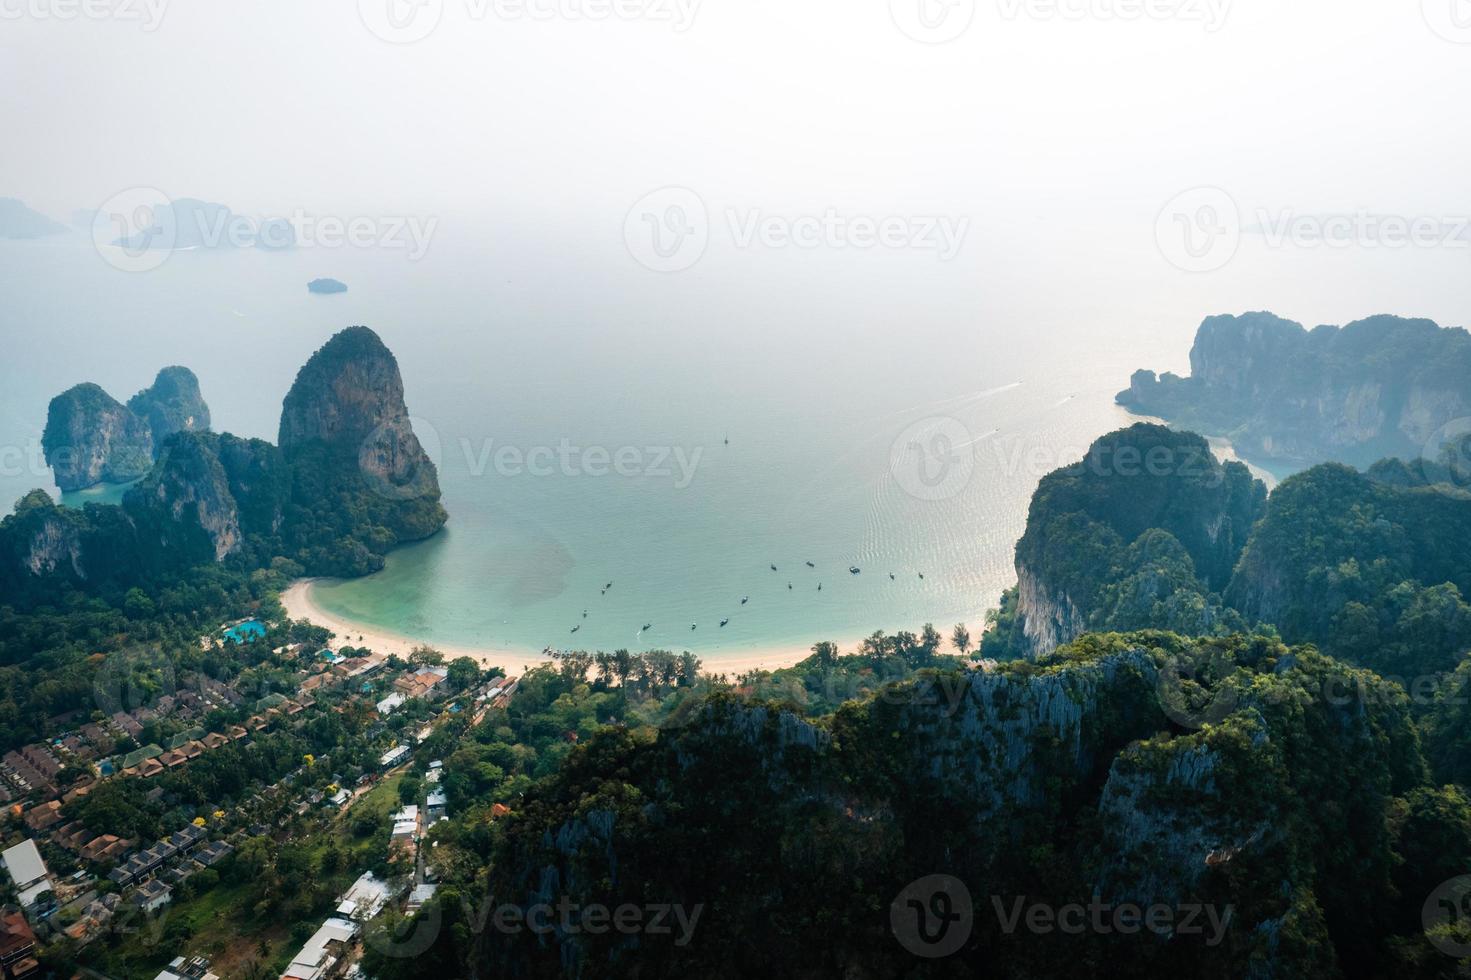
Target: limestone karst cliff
(91, 438)
(1379, 387)
(171, 404)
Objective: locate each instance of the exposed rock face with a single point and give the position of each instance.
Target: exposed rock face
(189, 494)
(90, 438)
(50, 543)
(1158, 847)
(1379, 387)
(347, 409)
(989, 750)
(1086, 522)
(1051, 618)
(172, 404)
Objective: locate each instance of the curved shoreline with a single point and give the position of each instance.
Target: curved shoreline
(298, 603)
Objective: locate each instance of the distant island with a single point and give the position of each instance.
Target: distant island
(189, 223)
(1376, 388)
(325, 287)
(19, 221)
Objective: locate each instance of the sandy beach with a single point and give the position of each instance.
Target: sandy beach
(298, 603)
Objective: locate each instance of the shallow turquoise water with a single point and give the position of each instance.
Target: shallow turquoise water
(816, 368)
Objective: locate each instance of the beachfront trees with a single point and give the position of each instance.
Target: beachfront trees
(463, 673)
(960, 639)
(424, 656)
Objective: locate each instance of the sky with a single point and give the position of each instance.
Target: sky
(1049, 105)
(1188, 135)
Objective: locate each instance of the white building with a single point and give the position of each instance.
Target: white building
(194, 968)
(322, 951)
(364, 899)
(25, 867)
(419, 897)
(390, 704)
(394, 756)
(406, 821)
(437, 803)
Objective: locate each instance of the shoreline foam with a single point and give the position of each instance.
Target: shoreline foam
(298, 603)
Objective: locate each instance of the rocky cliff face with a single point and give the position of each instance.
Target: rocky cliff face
(90, 438)
(172, 404)
(1098, 523)
(48, 543)
(1050, 617)
(188, 496)
(1384, 386)
(346, 413)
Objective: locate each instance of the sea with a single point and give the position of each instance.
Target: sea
(799, 444)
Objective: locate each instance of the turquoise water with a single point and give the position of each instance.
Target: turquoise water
(245, 632)
(813, 366)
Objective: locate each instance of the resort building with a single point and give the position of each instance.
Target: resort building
(322, 952)
(26, 869)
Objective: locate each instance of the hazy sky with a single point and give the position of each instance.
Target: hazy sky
(1323, 104)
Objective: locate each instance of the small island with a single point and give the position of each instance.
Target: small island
(325, 287)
